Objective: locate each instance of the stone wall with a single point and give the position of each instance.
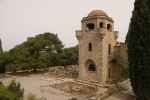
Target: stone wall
(104, 49)
(71, 71)
(121, 53)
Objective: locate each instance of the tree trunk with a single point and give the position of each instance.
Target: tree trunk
(34, 69)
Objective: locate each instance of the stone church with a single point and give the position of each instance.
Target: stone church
(101, 57)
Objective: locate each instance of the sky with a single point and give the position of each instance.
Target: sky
(20, 19)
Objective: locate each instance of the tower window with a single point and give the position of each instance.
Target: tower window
(90, 47)
(109, 49)
(92, 67)
(109, 27)
(101, 24)
(109, 73)
(90, 26)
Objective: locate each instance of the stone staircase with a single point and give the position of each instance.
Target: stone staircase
(123, 63)
(92, 83)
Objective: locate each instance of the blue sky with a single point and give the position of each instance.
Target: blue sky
(20, 19)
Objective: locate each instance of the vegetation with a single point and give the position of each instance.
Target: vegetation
(12, 92)
(6, 94)
(2, 66)
(69, 56)
(31, 97)
(42, 51)
(34, 97)
(125, 72)
(138, 39)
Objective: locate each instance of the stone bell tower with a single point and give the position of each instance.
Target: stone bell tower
(96, 40)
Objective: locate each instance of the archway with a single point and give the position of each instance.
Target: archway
(101, 24)
(91, 70)
(109, 27)
(90, 26)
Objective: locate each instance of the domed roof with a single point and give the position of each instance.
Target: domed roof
(97, 13)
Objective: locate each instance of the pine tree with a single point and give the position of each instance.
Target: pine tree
(2, 66)
(138, 40)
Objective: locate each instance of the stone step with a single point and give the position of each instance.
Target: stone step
(90, 83)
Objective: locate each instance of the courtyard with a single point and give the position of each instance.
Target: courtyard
(55, 88)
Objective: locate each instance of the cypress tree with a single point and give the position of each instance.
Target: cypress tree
(2, 66)
(138, 40)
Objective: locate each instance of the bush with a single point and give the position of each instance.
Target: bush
(34, 97)
(1, 82)
(15, 87)
(31, 97)
(6, 94)
(12, 68)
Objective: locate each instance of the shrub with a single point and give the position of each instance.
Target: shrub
(15, 87)
(34, 97)
(31, 97)
(1, 82)
(6, 94)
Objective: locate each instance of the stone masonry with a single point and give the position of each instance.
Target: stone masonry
(98, 48)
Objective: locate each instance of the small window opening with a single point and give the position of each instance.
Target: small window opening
(90, 26)
(109, 73)
(109, 27)
(90, 47)
(92, 67)
(109, 49)
(101, 24)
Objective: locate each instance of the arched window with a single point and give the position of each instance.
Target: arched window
(92, 67)
(90, 47)
(109, 27)
(90, 26)
(101, 24)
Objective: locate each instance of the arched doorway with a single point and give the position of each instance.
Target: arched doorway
(91, 70)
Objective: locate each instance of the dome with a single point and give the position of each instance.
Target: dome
(97, 13)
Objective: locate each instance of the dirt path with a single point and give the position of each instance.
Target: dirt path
(32, 84)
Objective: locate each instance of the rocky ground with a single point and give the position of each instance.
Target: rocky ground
(45, 86)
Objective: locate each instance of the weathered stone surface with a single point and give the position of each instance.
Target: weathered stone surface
(97, 46)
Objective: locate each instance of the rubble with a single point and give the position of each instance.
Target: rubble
(125, 87)
(5, 76)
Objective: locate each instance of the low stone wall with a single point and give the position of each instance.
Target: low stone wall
(66, 71)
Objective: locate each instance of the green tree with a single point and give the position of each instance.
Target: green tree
(138, 39)
(16, 57)
(69, 56)
(43, 44)
(40, 51)
(2, 65)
